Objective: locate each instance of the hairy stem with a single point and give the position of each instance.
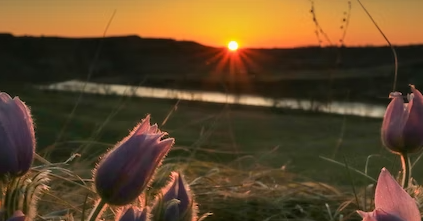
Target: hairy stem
(97, 210)
(406, 170)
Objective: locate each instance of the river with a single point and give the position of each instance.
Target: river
(336, 107)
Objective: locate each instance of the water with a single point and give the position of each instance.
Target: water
(349, 108)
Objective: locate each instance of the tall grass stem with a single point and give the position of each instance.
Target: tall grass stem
(389, 43)
(98, 209)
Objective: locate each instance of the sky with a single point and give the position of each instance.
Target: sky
(252, 23)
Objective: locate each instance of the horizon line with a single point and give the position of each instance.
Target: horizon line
(193, 41)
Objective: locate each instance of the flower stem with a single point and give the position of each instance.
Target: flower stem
(97, 210)
(406, 170)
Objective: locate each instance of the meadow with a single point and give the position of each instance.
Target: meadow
(245, 163)
(241, 162)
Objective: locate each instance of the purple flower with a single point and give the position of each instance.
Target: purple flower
(124, 173)
(177, 189)
(392, 203)
(402, 127)
(17, 136)
(17, 216)
(134, 214)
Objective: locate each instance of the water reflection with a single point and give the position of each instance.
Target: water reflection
(350, 108)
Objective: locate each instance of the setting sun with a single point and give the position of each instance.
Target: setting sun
(233, 46)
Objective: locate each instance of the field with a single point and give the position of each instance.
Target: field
(243, 163)
(259, 163)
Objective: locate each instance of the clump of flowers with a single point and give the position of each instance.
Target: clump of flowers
(402, 134)
(122, 175)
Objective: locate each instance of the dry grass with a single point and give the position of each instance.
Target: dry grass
(260, 193)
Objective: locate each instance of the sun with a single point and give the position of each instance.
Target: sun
(233, 45)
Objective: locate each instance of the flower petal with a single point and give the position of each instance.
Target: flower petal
(128, 215)
(141, 128)
(413, 129)
(183, 195)
(393, 123)
(17, 216)
(367, 216)
(384, 216)
(17, 137)
(170, 191)
(392, 198)
(143, 215)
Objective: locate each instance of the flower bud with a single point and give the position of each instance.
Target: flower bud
(17, 216)
(17, 137)
(126, 170)
(134, 214)
(184, 209)
(402, 127)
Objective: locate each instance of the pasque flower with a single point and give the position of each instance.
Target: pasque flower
(177, 189)
(402, 127)
(134, 214)
(17, 136)
(392, 203)
(126, 170)
(17, 216)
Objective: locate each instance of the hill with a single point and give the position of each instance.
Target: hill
(332, 73)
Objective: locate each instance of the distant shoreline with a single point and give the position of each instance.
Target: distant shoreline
(324, 74)
(8, 34)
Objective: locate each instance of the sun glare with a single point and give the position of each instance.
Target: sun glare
(233, 46)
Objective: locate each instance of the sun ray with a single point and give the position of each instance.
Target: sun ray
(239, 71)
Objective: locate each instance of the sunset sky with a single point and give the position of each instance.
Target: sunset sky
(253, 23)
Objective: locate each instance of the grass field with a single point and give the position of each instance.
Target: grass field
(238, 142)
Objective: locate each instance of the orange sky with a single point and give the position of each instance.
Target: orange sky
(253, 23)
